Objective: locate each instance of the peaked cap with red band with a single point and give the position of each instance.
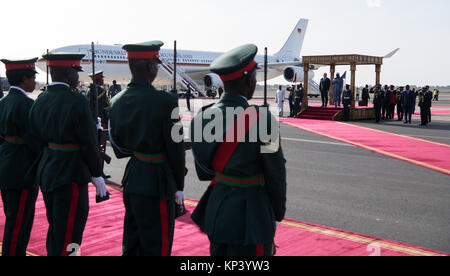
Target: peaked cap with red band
(64, 60)
(235, 63)
(145, 50)
(22, 65)
(98, 74)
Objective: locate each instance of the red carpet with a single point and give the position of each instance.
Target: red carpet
(103, 236)
(320, 113)
(425, 153)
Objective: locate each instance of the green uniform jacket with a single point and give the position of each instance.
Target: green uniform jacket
(237, 215)
(62, 116)
(102, 102)
(347, 97)
(378, 97)
(16, 158)
(140, 122)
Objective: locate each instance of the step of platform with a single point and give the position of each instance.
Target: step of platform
(320, 113)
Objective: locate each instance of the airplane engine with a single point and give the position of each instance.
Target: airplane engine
(296, 73)
(212, 80)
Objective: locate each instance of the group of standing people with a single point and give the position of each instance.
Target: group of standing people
(51, 145)
(404, 98)
(338, 89)
(295, 99)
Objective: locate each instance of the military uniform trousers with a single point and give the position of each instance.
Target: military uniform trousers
(324, 96)
(399, 111)
(424, 114)
(377, 110)
(67, 213)
(19, 207)
(297, 106)
(291, 106)
(149, 226)
(223, 250)
(346, 112)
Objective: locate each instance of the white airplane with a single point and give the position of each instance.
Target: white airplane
(111, 59)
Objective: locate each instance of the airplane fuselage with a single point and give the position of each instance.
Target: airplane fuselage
(191, 65)
(112, 60)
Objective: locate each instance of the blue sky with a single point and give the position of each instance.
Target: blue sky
(375, 27)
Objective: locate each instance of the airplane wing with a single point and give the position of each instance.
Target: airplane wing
(204, 70)
(391, 54)
(279, 65)
(274, 65)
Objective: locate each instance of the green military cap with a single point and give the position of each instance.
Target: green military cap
(235, 63)
(24, 64)
(98, 74)
(64, 60)
(145, 50)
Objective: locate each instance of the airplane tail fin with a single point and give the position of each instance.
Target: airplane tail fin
(293, 45)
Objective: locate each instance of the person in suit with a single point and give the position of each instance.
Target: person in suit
(188, 97)
(399, 100)
(392, 102)
(385, 104)
(428, 102)
(409, 104)
(114, 90)
(365, 96)
(324, 88)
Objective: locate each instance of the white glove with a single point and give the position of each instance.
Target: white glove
(100, 186)
(99, 124)
(179, 197)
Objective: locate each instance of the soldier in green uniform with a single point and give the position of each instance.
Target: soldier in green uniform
(347, 102)
(102, 97)
(18, 151)
(61, 122)
(154, 177)
(428, 102)
(246, 198)
(102, 107)
(425, 99)
(423, 115)
(378, 98)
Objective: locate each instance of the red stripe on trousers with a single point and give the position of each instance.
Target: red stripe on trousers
(164, 227)
(71, 218)
(260, 250)
(18, 224)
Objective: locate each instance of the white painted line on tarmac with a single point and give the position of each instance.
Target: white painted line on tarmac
(435, 137)
(317, 142)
